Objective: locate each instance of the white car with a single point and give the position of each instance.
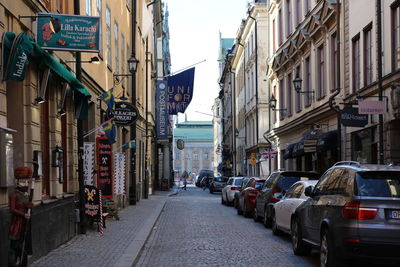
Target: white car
(228, 192)
(285, 208)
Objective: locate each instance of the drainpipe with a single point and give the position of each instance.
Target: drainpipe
(233, 103)
(132, 187)
(79, 130)
(332, 97)
(379, 65)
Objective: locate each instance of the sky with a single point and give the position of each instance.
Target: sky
(194, 27)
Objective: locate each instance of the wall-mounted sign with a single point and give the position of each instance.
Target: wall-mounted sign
(119, 172)
(371, 107)
(104, 166)
(180, 144)
(88, 162)
(351, 118)
(92, 201)
(162, 110)
(68, 32)
(253, 159)
(125, 114)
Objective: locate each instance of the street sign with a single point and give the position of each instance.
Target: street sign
(371, 107)
(125, 114)
(253, 160)
(180, 144)
(351, 118)
(269, 154)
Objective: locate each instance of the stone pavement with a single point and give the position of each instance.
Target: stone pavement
(121, 242)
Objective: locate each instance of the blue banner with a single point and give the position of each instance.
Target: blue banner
(68, 32)
(180, 91)
(162, 110)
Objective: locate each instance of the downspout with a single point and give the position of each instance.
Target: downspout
(132, 187)
(332, 97)
(380, 89)
(233, 103)
(146, 176)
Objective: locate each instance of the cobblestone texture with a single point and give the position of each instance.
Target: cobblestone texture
(95, 250)
(196, 230)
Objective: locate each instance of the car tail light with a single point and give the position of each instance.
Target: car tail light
(234, 188)
(253, 192)
(274, 195)
(353, 211)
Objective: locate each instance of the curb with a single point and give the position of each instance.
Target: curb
(132, 252)
(174, 193)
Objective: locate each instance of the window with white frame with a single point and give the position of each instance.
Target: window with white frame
(206, 156)
(108, 37)
(88, 7)
(116, 45)
(195, 155)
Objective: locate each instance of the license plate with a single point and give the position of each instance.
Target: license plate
(394, 214)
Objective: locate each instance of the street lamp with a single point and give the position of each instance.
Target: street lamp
(132, 64)
(272, 104)
(297, 85)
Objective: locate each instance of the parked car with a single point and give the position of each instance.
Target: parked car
(202, 174)
(228, 192)
(353, 213)
(274, 188)
(284, 209)
(242, 186)
(217, 183)
(247, 197)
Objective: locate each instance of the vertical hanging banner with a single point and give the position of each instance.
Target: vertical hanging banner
(92, 201)
(104, 164)
(180, 91)
(68, 32)
(88, 162)
(119, 173)
(162, 109)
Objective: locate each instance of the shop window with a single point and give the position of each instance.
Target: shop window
(362, 143)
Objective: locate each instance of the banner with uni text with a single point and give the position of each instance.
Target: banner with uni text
(180, 91)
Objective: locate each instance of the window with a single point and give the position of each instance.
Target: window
(396, 35)
(289, 94)
(307, 81)
(280, 27)
(128, 4)
(99, 10)
(356, 62)
(281, 98)
(205, 155)
(320, 72)
(298, 12)
(177, 155)
(195, 156)
(274, 113)
(298, 95)
(368, 55)
(123, 59)
(334, 62)
(288, 18)
(307, 6)
(108, 39)
(273, 36)
(116, 45)
(88, 7)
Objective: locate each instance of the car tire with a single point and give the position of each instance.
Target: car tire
(255, 215)
(239, 210)
(245, 212)
(300, 248)
(211, 191)
(227, 202)
(266, 220)
(274, 226)
(222, 200)
(327, 254)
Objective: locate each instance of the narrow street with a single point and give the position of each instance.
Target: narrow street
(194, 229)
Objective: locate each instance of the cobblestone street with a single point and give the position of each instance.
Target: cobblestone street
(194, 229)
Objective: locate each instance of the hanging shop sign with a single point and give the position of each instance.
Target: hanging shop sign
(125, 113)
(269, 154)
(351, 118)
(180, 144)
(88, 162)
(253, 159)
(104, 166)
(68, 32)
(92, 201)
(119, 173)
(371, 107)
(162, 110)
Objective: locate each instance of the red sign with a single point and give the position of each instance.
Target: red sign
(104, 164)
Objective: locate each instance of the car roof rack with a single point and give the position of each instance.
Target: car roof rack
(348, 162)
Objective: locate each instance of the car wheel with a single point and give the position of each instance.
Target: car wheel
(245, 212)
(222, 200)
(227, 202)
(211, 191)
(327, 254)
(266, 220)
(299, 246)
(239, 210)
(274, 227)
(255, 215)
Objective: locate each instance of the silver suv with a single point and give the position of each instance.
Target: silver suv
(353, 213)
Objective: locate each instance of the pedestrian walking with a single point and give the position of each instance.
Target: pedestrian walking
(184, 176)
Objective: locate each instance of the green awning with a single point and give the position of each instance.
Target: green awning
(44, 59)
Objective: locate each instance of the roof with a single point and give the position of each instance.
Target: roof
(367, 167)
(225, 45)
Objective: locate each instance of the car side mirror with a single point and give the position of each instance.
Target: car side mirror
(309, 191)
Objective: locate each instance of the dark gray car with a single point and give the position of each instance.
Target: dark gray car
(353, 213)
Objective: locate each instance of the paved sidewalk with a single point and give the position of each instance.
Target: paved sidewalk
(121, 243)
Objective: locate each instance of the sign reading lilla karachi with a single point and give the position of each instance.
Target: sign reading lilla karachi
(68, 32)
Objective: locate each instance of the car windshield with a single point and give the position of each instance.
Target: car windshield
(238, 181)
(221, 179)
(259, 184)
(378, 184)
